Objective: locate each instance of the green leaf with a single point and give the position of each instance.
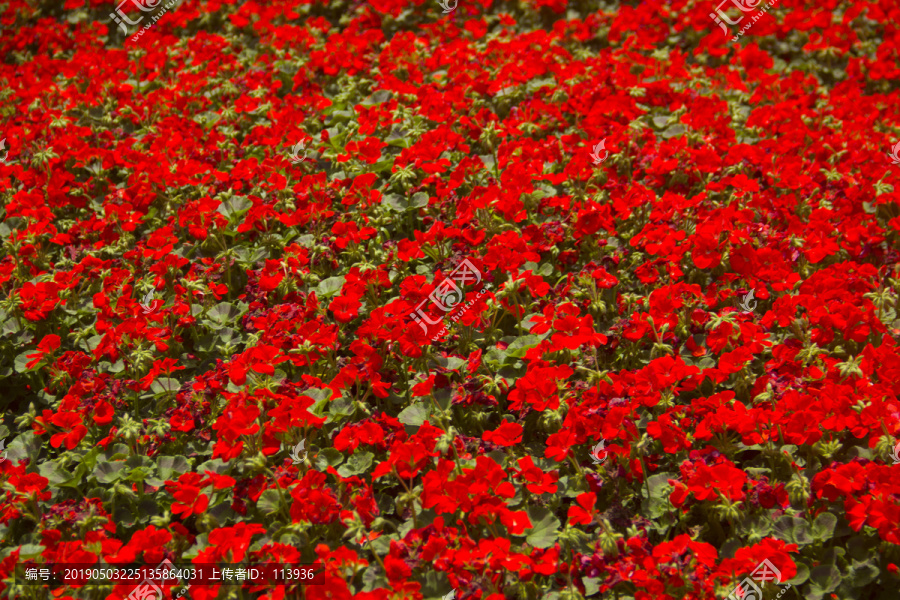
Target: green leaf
(307, 240)
(11, 224)
(377, 98)
(823, 527)
(117, 452)
(357, 464)
(108, 472)
(91, 343)
(165, 385)
(591, 585)
(9, 325)
(217, 465)
(546, 270)
(22, 360)
(27, 551)
(327, 457)
(674, 130)
(200, 544)
(706, 363)
(535, 84)
(383, 165)
(521, 345)
(136, 460)
(801, 576)
(545, 530)
(436, 585)
(419, 200)
(494, 357)
(861, 573)
(340, 407)
(659, 483)
(139, 474)
(234, 207)
(793, 530)
(224, 313)
(415, 414)
(206, 119)
(395, 202)
(170, 467)
(62, 477)
(657, 504)
(322, 398)
(759, 526)
(269, 502)
(329, 287)
(824, 579)
(452, 363)
(660, 122)
(443, 397)
(28, 445)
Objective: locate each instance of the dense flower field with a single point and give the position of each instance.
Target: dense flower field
(538, 300)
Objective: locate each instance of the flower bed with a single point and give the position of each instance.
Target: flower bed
(539, 300)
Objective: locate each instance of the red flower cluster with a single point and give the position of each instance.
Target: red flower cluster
(653, 370)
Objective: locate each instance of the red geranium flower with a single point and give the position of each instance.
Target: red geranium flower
(507, 434)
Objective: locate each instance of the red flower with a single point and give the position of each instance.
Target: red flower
(583, 513)
(407, 458)
(48, 344)
(507, 434)
(673, 439)
(705, 252)
(706, 483)
(345, 308)
(329, 587)
(368, 150)
(73, 429)
(31, 482)
(186, 491)
(539, 388)
(423, 388)
(231, 543)
(396, 569)
(539, 481)
(103, 413)
(603, 279)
